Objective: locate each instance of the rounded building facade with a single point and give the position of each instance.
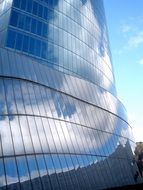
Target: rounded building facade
(61, 123)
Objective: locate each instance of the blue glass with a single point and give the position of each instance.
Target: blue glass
(11, 39)
(25, 46)
(61, 123)
(19, 41)
(38, 50)
(21, 19)
(35, 8)
(14, 18)
(2, 174)
(33, 26)
(41, 165)
(11, 171)
(40, 11)
(23, 5)
(43, 50)
(27, 23)
(44, 30)
(29, 6)
(22, 168)
(17, 3)
(32, 46)
(32, 165)
(39, 27)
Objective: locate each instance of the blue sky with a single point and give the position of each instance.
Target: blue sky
(125, 27)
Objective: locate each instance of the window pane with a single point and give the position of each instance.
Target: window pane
(17, 3)
(19, 39)
(14, 18)
(11, 171)
(25, 43)
(2, 174)
(11, 39)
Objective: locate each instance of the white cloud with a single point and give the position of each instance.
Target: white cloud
(136, 40)
(131, 33)
(126, 28)
(141, 61)
(136, 122)
(132, 41)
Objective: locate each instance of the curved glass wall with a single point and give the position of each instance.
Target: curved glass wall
(70, 36)
(61, 124)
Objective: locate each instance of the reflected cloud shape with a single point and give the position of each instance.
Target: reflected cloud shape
(60, 119)
(96, 163)
(36, 130)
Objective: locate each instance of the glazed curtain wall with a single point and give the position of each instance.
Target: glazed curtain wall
(19, 98)
(20, 66)
(40, 137)
(70, 36)
(59, 131)
(5, 11)
(61, 124)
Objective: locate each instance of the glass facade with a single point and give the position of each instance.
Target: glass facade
(61, 123)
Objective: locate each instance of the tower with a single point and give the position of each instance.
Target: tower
(61, 123)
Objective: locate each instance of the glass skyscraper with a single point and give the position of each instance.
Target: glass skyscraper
(62, 126)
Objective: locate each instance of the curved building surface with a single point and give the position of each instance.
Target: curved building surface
(61, 124)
